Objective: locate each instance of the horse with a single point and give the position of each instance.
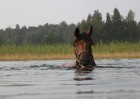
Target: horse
(82, 49)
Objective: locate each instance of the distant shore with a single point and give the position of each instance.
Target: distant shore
(61, 57)
(58, 52)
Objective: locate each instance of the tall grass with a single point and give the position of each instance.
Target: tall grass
(117, 47)
(35, 49)
(29, 52)
(117, 50)
(43, 52)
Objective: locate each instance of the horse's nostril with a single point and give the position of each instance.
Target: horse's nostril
(84, 63)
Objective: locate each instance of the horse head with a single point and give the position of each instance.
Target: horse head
(82, 48)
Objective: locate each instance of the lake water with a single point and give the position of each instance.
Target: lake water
(112, 79)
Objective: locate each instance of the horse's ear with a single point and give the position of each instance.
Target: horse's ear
(89, 33)
(77, 32)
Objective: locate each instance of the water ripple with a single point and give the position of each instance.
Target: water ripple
(111, 79)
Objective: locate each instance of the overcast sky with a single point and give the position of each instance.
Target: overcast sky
(39, 12)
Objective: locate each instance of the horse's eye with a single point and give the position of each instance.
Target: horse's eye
(74, 44)
(92, 42)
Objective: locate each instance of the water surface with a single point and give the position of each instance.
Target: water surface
(112, 79)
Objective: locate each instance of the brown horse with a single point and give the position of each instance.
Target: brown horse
(83, 51)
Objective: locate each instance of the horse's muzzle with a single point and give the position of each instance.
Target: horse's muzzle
(84, 60)
(85, 64)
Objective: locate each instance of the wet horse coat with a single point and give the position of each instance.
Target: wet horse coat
(82, 48)
(83, 51)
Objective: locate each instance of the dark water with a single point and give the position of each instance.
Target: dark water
(112, 79)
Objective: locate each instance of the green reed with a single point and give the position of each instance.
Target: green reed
(66, 50)
(117, 47)
(35, 49)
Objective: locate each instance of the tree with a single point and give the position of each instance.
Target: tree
(130, 16)
(1, 37)
(49, 39)
(138, 31)
(17, 26)
(97, 26)
(116, 18)
(117, 26)
(131, 26)
(107, 31)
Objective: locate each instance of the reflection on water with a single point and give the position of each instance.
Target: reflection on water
(85, 92)
(81, 75)
(83, 78)
(111, 79)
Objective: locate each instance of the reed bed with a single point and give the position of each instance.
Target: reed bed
(50, 52)
(117, 50)
(35, 52)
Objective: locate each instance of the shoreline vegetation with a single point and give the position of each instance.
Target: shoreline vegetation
(59, 51)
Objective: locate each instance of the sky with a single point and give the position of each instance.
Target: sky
(40, 12)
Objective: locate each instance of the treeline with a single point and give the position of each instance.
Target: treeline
(43, 34)
(114, 28)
